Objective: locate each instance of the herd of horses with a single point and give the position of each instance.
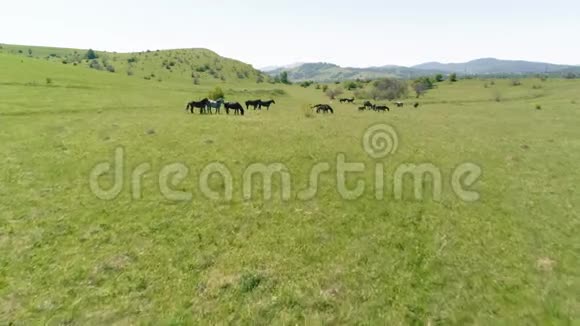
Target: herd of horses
(367, 105)
(206, 106)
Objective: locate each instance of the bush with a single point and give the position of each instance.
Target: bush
(306, 84)
(439, 78)
(91, 55)
(110, 68)
(497, 96)
(216, 93)
(48, 81)
(324, 88)
(129, 72)
(95, 65)
(453, 77)
(132, 60)
(570, 75)
(538, 107)
(388, 89)
(333, 93)
(350, 85)
(516, 82)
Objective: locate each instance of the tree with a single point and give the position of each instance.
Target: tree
(284, 78)
(439, 78)
(422, 85)
(333, 93)
(91, 55)
(217, 93)
(388, 89)
(453, 78)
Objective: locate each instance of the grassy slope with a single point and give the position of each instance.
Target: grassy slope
(69, 257)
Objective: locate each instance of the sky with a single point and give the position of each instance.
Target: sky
(263, 33)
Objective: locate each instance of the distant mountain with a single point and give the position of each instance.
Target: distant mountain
(493, 66)
(290, 66)
(323, 72)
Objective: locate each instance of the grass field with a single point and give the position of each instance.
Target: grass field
(68, 257)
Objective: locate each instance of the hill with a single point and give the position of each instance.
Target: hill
(325, 72)
(183, 65)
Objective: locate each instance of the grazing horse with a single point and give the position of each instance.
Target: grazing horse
(200, 105)
(217, 105)
(416, 105)
(347, 100)
(237, 107)
(266, 104)
(382, 108)
(399, 104)
(362, 108)
(253, 103)
(324, 108)
(368, 104)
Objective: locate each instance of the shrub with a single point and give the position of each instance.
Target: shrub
(350, 85)
(95, 65)
(453, 77)
(216, 93)
(439, 78)
(538, 107)
(196, 81)
(570, 75)
(333, 93)
(132, 60)
(324, 88)
(110, 68)
(388, 89)
(306, 84)
(260, 79)
(48, 81)
(497, 96)
(129, 72)
(537, 87)
(516, 82)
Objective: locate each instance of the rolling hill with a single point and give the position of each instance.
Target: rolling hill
(324, 72)
(191, 65)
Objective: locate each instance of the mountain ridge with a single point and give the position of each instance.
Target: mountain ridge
(322, 71)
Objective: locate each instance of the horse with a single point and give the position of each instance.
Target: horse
(368, 104)
(237, 107)
(382, 108)
(399, 104)
(347, 100)
(416, 105)
(253, 103)
(217, 105)
(362, 108)
(266, 104)
(201, 105)
(324, 108)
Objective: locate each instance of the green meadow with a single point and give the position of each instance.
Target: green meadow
(69, 257)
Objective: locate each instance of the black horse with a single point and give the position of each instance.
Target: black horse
(253, 103)
(381, 108)
(362, 108)
(201, 105)
(237, 107)
(266, 104)
(368, 104)
(324, 108)
(347, 100)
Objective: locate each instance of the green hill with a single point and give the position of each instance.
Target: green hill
(183, 65)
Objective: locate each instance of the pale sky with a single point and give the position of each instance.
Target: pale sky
(267, 32)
